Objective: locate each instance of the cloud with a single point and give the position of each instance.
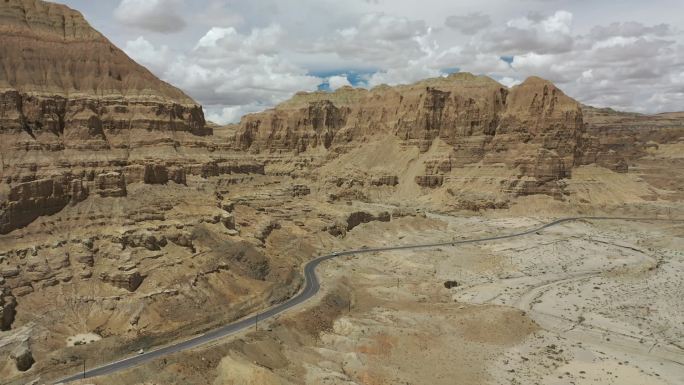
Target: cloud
(610, 67)
(409, 70)
(471, 59)
(509, 82)
(533, 34)
(155, 59)
(376, 40)
(469, 24)
(220, 41)
(230, 114)
(338, 81)
(404, 75)
(230, 72)
(629, 29)
(152, 15)
(262, 52)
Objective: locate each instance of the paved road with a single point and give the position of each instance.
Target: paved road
(311, 287)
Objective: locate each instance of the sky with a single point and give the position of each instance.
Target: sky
(241, 56)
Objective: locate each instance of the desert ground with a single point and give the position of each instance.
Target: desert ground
(591, 301)
(580, 303)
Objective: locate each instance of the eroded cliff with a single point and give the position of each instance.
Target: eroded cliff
(533, 128)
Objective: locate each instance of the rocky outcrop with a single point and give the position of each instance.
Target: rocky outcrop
(356, 218)
(384, 180)
(27, 201)
(156, 174)
(143, 240)
(177, 175)
(429, 181)
(151, 173)
(300, 190)
(479, 202)
(112, 184)
(340, 227)
(129, 280)
(312, 125)
(22, 357)
(211, 169)
(265, 229)
(615, 138)
(8, 305)
(30, 200)
(182, 239)
(228, 221)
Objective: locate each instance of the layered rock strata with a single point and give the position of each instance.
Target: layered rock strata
(533, 127)
(73, 108)
(61, 76)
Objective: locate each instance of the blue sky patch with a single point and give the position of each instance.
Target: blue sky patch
(356, 78)
(507, 59)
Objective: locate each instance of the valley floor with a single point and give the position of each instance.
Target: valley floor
(582, 303)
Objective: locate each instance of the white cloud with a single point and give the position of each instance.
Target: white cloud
(509, 82)
(558, 22)
(338, 81)
(219, 41)
(231, 114)
(151, 15)
(141, 50)
(232, 72)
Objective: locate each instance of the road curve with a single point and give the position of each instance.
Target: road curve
(311, 287)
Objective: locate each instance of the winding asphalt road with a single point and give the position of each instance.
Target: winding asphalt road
(311, 287)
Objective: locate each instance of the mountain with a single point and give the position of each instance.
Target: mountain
(59, 75)
(67, 97)
(533, 127)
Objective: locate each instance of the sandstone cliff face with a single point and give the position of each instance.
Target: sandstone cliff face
(27, 201)
(73, 107)
(614, 138)
(533, 127)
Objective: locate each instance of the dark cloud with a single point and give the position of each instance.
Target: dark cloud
(152, 15)
(533, 34)
(469, 24)
(629, 29)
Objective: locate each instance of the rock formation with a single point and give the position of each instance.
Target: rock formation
(22, 356)
(8, 306)
(129, 280)
(533, 126)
